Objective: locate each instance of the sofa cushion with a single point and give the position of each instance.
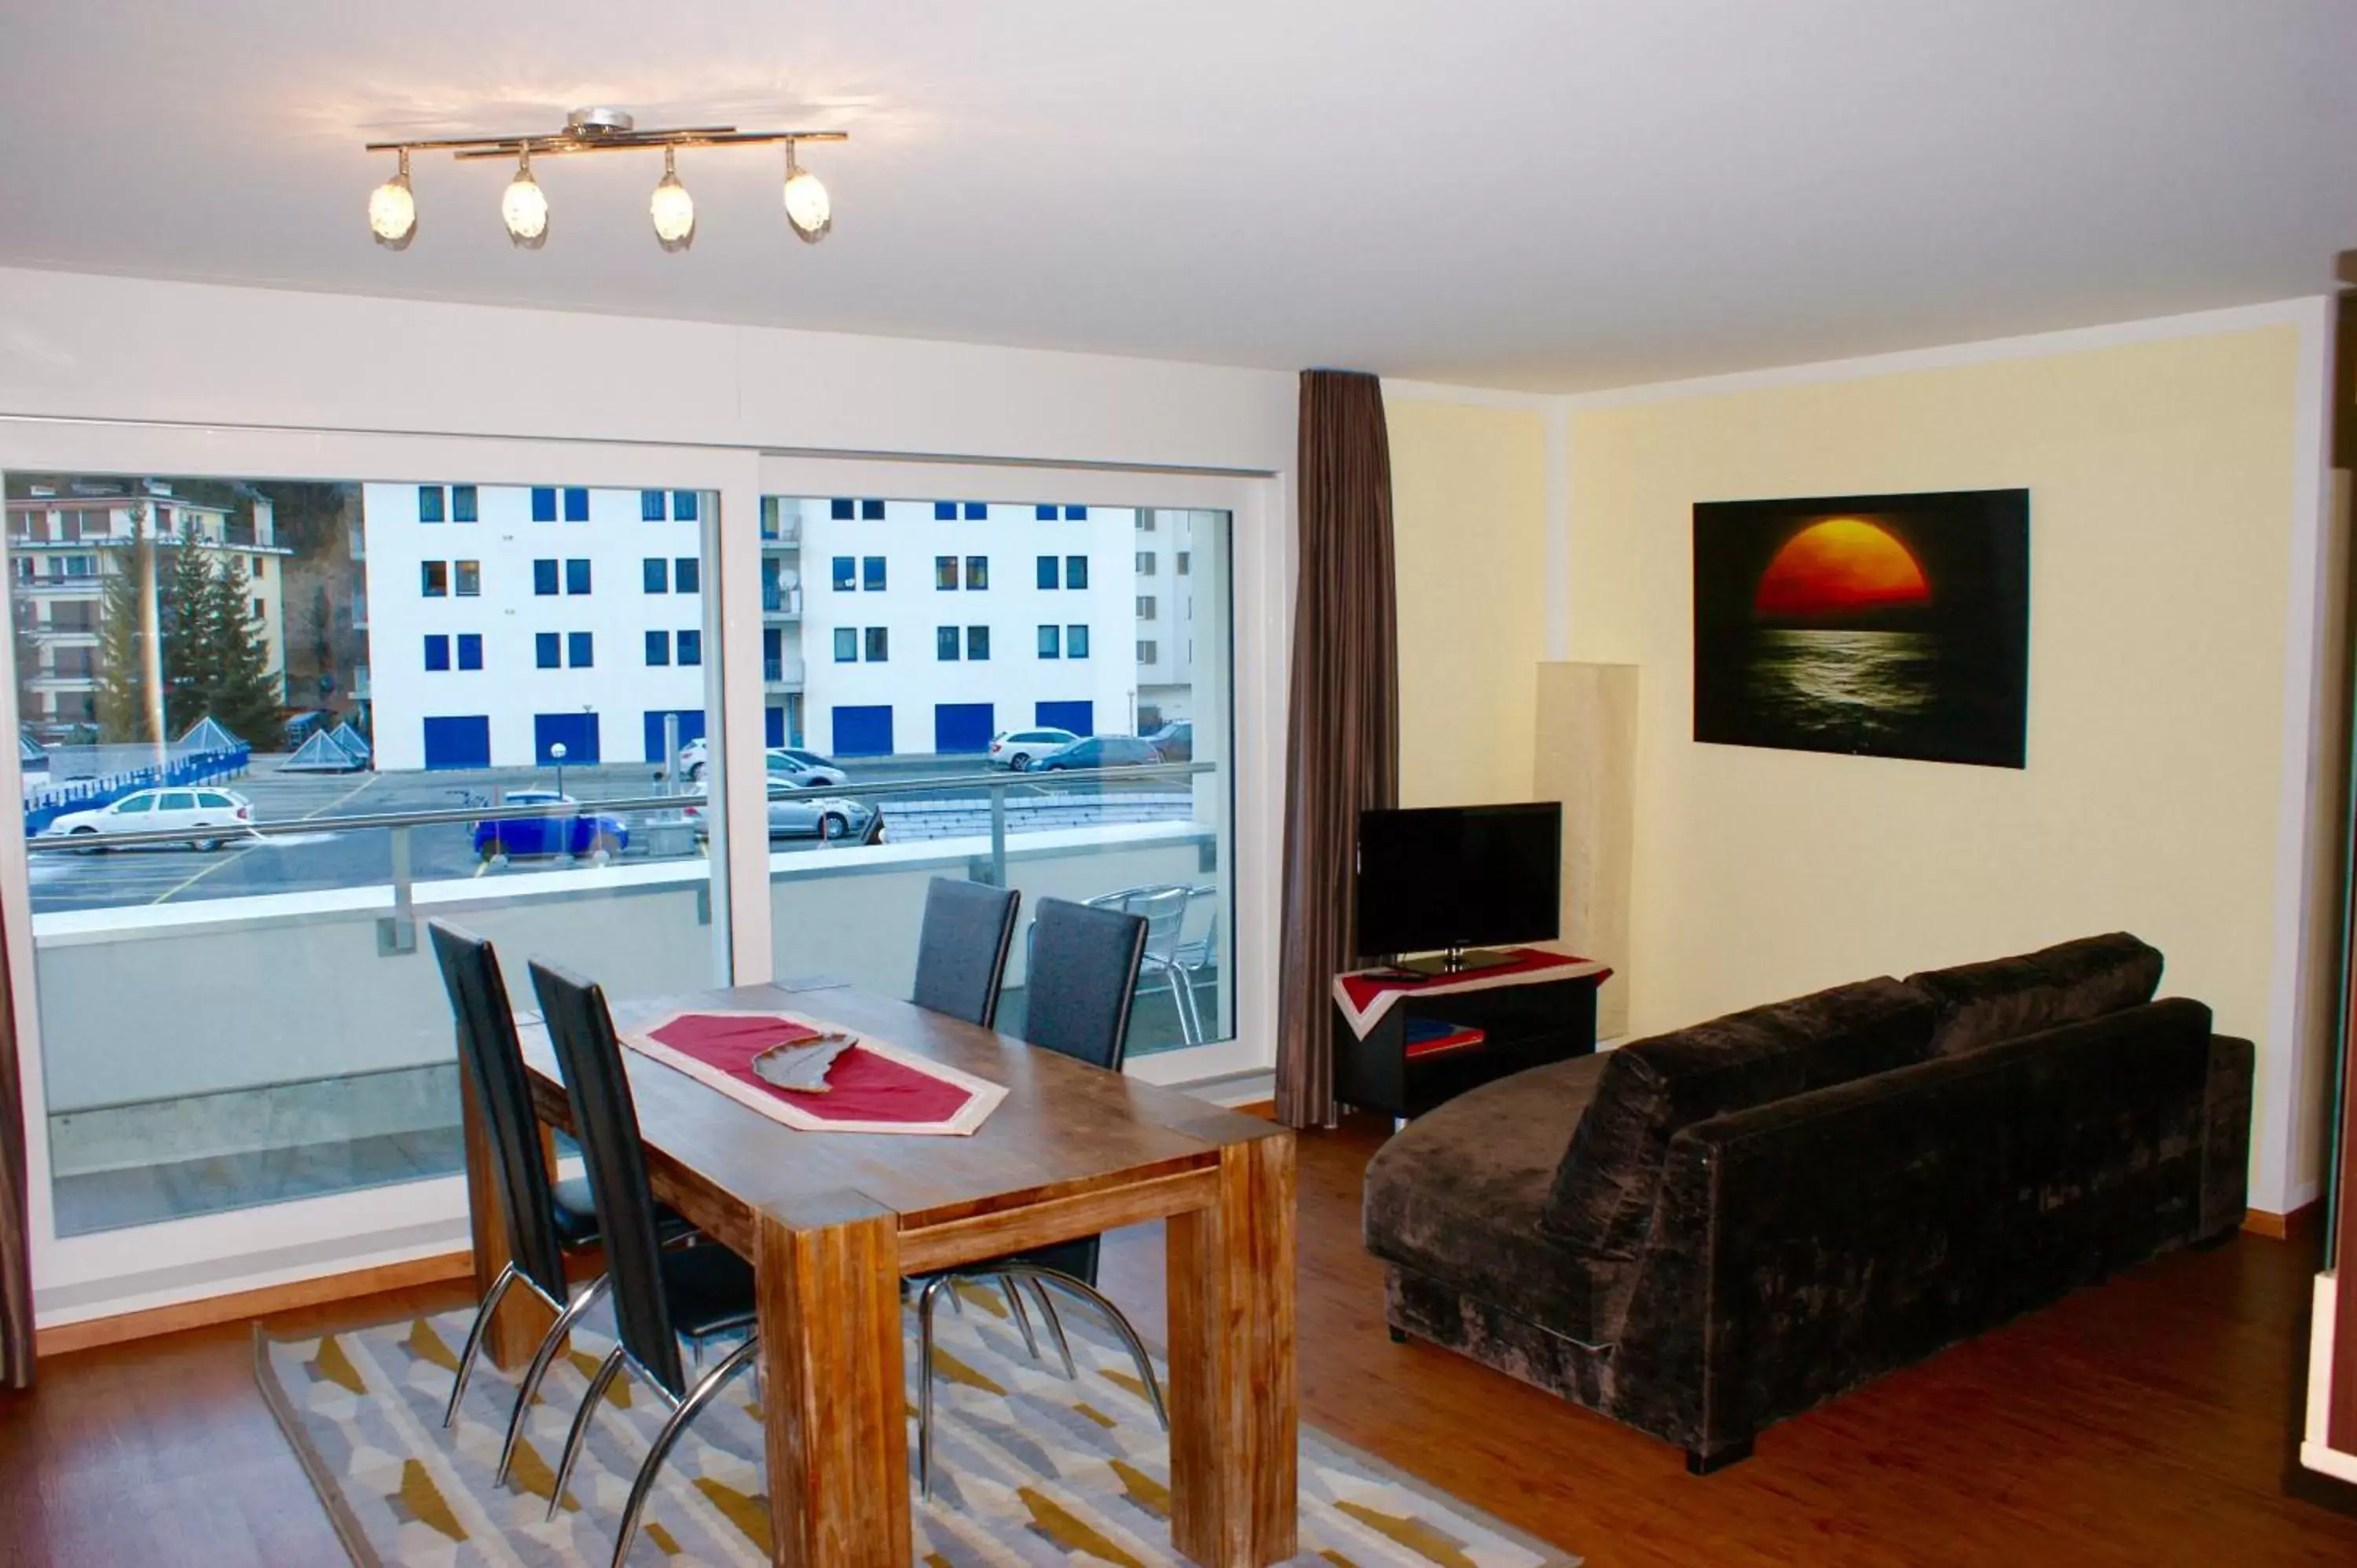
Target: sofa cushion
(1601, 1199)
(1981, 1003)
(1456, 1195)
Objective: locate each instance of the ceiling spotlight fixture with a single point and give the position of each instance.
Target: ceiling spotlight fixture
(808, 207)
(524, 208)
(673, 210)
(392, 210)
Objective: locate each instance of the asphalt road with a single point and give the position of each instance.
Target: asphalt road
(348, 857)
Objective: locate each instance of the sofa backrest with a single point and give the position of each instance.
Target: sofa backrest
(2005, 998)
(1604, 1192)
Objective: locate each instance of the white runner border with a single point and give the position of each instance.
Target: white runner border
(1361, 1023)
(982, 1097)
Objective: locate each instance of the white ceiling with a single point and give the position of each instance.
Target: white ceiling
(1550, 194)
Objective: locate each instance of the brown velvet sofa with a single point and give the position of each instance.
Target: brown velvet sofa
(1703, 1233)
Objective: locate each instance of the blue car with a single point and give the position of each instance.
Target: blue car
(564, 831)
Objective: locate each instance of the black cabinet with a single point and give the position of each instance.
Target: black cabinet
(1541, 1020)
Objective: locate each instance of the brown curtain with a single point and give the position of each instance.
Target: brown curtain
(1342, 751)
(15, 1243)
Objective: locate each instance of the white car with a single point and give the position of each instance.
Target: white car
(211, 816)
(820, 816)
(799, 769)
(1019, 748)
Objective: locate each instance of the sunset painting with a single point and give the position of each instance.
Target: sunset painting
(1887, 625)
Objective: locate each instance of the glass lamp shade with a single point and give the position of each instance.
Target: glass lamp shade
(673, 211)
(525, 210)
(807, 206)
(393, 214)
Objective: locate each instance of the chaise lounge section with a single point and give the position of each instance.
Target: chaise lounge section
(1758, 1214)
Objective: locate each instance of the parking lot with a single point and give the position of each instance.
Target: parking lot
(332, 857)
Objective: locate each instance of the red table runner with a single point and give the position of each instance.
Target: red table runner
(872, 1087)
(1364, 997)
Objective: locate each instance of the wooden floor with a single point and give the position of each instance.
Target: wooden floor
(2145, 1422)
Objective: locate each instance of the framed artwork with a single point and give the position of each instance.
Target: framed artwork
(1881, 626)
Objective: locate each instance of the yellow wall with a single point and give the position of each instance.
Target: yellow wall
(1468, 509)
(2161, 498)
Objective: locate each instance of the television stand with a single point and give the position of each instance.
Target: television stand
(1457, 960)
(1401, 1047)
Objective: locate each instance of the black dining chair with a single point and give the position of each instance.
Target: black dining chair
(1083, 980)
(698, 1294)
(546, 1220)
(961, 948)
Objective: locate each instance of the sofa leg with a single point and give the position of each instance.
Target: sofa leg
(1701, 1464)
(1399, 1336)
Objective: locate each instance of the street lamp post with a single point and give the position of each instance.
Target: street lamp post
(556, 754)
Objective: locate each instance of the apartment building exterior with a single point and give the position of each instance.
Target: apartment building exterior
(506, 620)
(65, 547)
(1165, 643)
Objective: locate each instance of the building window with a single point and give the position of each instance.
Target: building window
(1178, 563)
(840, 508)
(871, 574)
(1076, 571)
(846, 644)
(1147, 653)
(1076, 514)
(545, 650)
(977, 512)
(543, 504)
(576, 506)
(261, 610)
(691, 648)
(846, 573)
(1046, 571)
(1044, 513)
(543, 578)
(945, 644)
(682, 506)
(429, 503)
(470, 579)
(580, 651)
(1145, 562)
(1144, 519)
(1076, 642)
(438, 652)
(945, 572)
(686, 575)
(657, 647)
(434, 578)
(977, 642)
(462, 503)
(977, 571)
(871, 512)
(577, 575)
(656, 573)
(880, 644)
(650, 506)
(470, 647)
(946, 511)
(1145, 606)
(1051, 645)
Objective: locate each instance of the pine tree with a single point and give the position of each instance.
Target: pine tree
(241, 694)
(188, 615)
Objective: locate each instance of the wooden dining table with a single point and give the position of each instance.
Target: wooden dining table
(831, 1222)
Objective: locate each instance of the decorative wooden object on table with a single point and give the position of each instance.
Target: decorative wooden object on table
(1525, 1017)
(833, 1221)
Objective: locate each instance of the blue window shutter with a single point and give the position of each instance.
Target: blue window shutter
(577, 575)
(543, 578)
(682, 506)
(871, 512)
(438, 652)
(471, 651)
(650, 506)
(656, 573)
(863, 731)
(429, 503)
(944, 511)
(576, 506)
(545, 650)
(687, 576)
(1076, 513)
(580, 649)
(840, 508)
(691, 648)
(543, 504)
(977, 512)
(657, 647)
(464, 742)
(1044, 513)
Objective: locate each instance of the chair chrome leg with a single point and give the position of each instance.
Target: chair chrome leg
(483, 1314)
(607, 1370)
(541, 1360)
(1055, 1322)
(735, 1361)
(1022, 1314)
(1114, 1315)
(934, 1287)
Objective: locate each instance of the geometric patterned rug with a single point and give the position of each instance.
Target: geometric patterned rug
(1029, 1467)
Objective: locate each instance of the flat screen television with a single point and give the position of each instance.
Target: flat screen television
(1446, 879)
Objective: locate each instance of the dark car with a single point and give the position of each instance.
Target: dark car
(1102, 751)
(1175, 741)
(566, 829)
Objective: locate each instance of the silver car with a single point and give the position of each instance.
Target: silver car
(804, 817)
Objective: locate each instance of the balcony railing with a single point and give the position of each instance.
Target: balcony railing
(781, 600)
